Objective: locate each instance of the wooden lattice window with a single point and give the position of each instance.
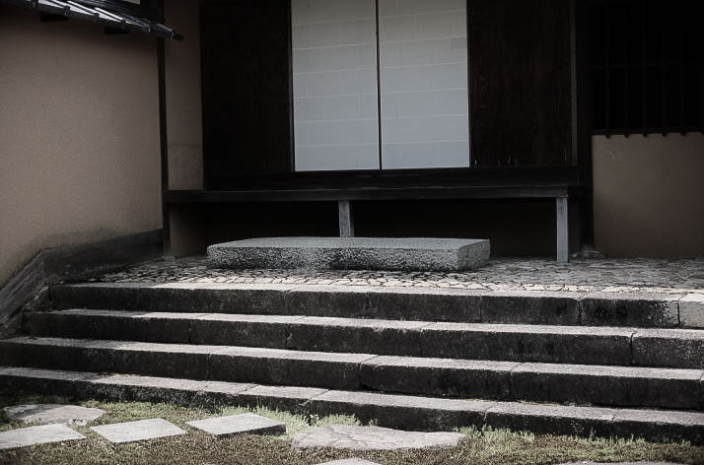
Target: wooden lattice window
(646, 66)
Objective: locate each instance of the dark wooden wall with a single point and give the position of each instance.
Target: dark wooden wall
(245, 77)
(520, 82)
(520, 89)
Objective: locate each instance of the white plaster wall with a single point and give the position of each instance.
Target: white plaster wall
(649, 195)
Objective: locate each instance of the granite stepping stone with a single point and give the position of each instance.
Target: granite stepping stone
(353, 253)
(620, 463)
(373, 438)
(36, 435)
(350, 462)
(53, 414)
(247, 423)
(142, 430)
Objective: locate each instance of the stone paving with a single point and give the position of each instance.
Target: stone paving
(247, 423)
(133, 431)
(620, 463)
(580, 275)
(53, 413)
(36, 435)
(120, 433)
(350, 462)
(373, 438)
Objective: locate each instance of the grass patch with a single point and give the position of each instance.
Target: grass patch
(482, 446)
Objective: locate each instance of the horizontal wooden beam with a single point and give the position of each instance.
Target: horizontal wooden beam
(373, 193)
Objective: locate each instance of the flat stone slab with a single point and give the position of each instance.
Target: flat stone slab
(373, 438)
(53, 413)
(120, 433)
(247, 423)
(620, 463)
(36, 435)
(357, 253)
(350, 462)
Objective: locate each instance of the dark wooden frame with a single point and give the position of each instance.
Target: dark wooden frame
(377, 177)
(555, 182)
(644, 127)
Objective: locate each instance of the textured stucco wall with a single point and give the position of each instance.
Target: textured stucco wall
(79, 132)
(649, 195)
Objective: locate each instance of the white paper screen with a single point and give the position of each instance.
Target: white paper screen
(335, 85)
(424, 82)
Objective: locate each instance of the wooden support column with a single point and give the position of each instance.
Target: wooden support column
(344, 213)
(562, 220)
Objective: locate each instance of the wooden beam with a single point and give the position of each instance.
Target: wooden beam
(373, 193)
(344, 213)
(562, 220)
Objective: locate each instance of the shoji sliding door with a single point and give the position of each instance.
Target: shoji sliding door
(335, 85)
(380, 84)
(424, 83)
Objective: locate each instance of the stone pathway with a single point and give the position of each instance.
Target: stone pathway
(359, 438)
(120, 433)
(36, 435)
(373, 438)
(53, 413)
(580, 275)
(133, 431)
(247, 423)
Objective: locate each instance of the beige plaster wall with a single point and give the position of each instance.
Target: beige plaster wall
(79, 135)
(183, 96)
(649, 195)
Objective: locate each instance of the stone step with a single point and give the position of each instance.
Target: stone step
(674, 348)
(393, 411)
(353, 253)
(541, 382)
(403, 303)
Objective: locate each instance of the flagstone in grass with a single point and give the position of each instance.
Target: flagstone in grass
(142, 430)
(37, 435)
(350, 462)
(53, 414)
(247, 423)
(482, 446)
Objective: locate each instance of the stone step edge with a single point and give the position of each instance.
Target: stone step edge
(541, 382)
(450, 304)
(395, 411)
(630, 346)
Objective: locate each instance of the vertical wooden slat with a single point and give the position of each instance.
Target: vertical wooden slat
(562, 225)
(344, 213)
(607, 68)
(644, 60)
(664, 65)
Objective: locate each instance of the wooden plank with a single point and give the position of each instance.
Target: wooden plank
(562, 225)
(520, 78)
(344, 212)
(376, 193)
(246, 83)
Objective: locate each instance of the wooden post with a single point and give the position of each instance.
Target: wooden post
(562, 219)
(344, 213)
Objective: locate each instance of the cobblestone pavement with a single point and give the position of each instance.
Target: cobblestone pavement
(581, 275)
